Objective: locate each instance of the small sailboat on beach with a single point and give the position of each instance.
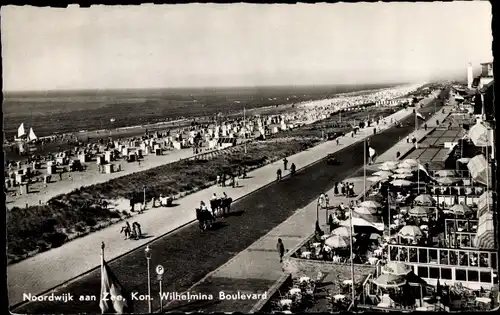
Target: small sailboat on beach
(112, 120)
(31, 135)
(21, 132)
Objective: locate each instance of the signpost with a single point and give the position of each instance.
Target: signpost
(159, 271)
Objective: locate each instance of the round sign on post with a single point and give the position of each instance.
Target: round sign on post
(160, 270)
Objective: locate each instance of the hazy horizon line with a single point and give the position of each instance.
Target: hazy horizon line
(229, 87)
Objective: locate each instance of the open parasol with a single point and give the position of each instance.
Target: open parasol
(445, 173)
(396, 268)
(447, 180)
(403, 171)
(460, 209)
(377, 179)
(424, 199)
(402, 176)
(337, 241)
(391, 163)
(384, 167)
(419, 211)
(411, 162)
(406, 165)
(401, 182)
(342, 231)
(387, 280)
(463, 160)
(382, 173)
(364, 210)
(410, 232)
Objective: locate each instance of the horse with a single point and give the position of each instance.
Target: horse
(220, 205)
(204, 218)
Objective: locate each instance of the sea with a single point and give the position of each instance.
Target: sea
(60, 112)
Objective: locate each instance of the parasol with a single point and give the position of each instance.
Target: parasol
(410, 231)
(447, 180)
(364, 210)
(390, 163)
(390, 281)
(406, 165)
(403, 171)
(376, 179)
(463, 160)
(401, 182)
(402, 176)
(424, 199)
(460, 209)
(386, 167)
(411, 162)
(396, 268)
(445, 173)
(337, 241)
(382, 173)
(419, 211)
(341, 231)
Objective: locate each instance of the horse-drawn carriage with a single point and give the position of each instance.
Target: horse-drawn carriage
(221, 205)
(205, 218)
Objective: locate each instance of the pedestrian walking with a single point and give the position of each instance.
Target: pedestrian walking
(337, 141)
(126, 229)
(285, 163)
(336, 189)
(425, 127)
(342, 188)
(137, 228)
(281, 249)
(278, 174)
(408, 139)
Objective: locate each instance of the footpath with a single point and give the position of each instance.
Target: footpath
(57, 266)
(260, 262)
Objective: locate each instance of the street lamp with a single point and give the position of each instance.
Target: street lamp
(317, 210)
(147, 251)
(144, 202)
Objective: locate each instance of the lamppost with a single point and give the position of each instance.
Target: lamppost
(147, 251)
(317, 209)
(144, 202)
(327, 205)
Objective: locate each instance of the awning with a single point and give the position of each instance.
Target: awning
(485, 236)
(478, 168)
(480, 135)
(485, 203)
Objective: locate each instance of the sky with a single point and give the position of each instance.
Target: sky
(196, 45)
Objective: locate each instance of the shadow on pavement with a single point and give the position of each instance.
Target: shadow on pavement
(235, 213)
(218, 225)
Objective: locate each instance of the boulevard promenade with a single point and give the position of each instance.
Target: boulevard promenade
(260, 261)
(49, 269)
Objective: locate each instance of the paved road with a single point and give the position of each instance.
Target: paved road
(189, 254)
